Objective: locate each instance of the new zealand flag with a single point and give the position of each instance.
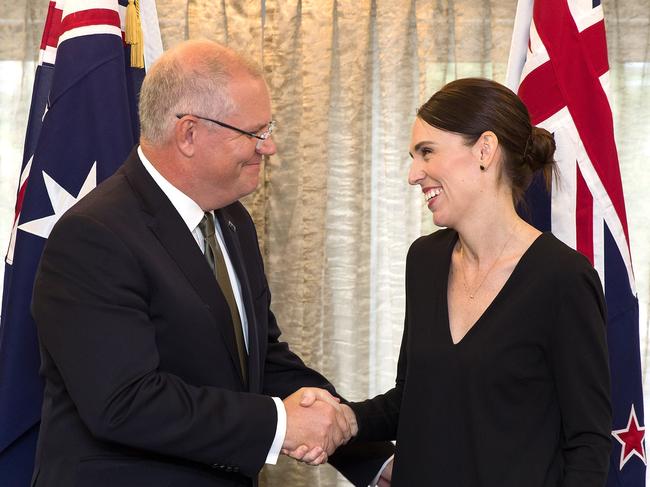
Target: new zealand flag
(82, 125)
(559, 64)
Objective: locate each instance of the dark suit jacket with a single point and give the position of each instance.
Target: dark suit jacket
(138, 352)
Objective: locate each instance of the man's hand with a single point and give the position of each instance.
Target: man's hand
(386, 475)
(348, 420)
(345, 421)
(314, 431)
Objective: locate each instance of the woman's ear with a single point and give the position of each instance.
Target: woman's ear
(485, 149)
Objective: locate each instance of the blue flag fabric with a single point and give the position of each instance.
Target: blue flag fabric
(18, 434)
(89, 127)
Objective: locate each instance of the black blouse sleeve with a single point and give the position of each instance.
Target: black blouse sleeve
(578, 359)
(378, 417)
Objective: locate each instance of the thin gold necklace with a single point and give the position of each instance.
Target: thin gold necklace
(462, 267)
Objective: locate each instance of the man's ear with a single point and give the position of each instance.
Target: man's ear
(185, 135)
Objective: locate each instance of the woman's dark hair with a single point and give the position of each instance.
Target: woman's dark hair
(471, 106)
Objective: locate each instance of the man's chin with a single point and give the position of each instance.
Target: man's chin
(250, 188)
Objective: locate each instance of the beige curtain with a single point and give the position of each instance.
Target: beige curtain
(334, 212)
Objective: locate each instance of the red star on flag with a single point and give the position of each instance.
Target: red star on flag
(631, 439)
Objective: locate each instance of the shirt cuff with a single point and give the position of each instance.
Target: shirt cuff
(280, 433)
(375, 481)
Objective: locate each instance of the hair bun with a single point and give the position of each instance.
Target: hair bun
(539, 150)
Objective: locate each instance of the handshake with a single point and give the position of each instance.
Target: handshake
(317, 424)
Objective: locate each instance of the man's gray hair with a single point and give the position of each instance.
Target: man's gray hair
(199, 86)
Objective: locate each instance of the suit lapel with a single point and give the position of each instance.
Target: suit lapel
(231, 238)
(173, 234)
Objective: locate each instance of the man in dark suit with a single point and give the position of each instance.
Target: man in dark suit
(161, 356)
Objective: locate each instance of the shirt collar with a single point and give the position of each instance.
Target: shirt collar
(190, 212)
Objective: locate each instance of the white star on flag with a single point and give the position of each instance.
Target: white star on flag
(61, 202)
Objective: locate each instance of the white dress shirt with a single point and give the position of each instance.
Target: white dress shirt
(192, 214)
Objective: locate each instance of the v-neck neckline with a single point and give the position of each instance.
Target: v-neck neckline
(498, 297)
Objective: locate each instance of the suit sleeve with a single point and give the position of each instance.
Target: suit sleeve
(90, 304)
(579, 362)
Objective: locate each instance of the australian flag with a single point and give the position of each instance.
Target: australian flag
(82, 125)
(558, 65)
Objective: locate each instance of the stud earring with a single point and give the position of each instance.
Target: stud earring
(482, 167)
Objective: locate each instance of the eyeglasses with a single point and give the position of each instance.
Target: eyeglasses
(261, 137)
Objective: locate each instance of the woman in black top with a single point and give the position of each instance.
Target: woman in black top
(503, 376)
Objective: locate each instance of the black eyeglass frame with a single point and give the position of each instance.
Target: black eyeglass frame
(261, 137)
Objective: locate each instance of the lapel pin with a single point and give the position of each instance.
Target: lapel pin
(232, 226)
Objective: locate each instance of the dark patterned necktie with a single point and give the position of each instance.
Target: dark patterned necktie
(215, 258)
